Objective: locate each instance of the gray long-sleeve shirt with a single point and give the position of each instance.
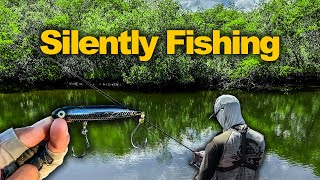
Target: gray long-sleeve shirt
(222, 158)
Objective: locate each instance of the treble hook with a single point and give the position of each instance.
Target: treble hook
(83, 132)
(141, 120)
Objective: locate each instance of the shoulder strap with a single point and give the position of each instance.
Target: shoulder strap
(243, 132)
(242, 162)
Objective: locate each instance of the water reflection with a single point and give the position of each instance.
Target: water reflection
(287, 121)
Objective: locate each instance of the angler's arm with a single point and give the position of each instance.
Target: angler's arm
(210, 161)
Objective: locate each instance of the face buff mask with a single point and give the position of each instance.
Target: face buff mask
(227, 111)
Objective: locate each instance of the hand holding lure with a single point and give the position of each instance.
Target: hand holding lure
(87, 114)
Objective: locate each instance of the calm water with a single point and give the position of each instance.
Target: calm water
(287, 121)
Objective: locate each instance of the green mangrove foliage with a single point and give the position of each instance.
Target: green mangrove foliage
(295, 21)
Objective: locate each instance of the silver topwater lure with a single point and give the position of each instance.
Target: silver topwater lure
(102, 113)
(87, 114)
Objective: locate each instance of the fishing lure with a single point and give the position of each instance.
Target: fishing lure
(87, 114)
(93, 114)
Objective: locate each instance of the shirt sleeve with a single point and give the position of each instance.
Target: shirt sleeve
(213, 153)
(10, 147)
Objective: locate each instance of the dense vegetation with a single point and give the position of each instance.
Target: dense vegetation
(295, 21)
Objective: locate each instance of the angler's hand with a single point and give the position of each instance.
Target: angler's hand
(200, 153)
(37, 150)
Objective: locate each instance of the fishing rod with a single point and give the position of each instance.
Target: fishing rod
(141, 120)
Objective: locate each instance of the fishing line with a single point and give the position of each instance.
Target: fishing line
(156, 127)
(68, 70)
(110, 98)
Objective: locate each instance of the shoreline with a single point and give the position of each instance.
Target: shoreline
(16, 88)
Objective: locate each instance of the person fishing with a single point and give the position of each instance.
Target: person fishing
(35, 151)
(236, 153)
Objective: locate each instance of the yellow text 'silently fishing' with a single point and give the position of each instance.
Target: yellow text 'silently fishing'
(69, 42)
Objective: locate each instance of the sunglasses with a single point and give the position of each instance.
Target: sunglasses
(214, 115)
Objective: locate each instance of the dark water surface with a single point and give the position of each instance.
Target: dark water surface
(289, 123)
